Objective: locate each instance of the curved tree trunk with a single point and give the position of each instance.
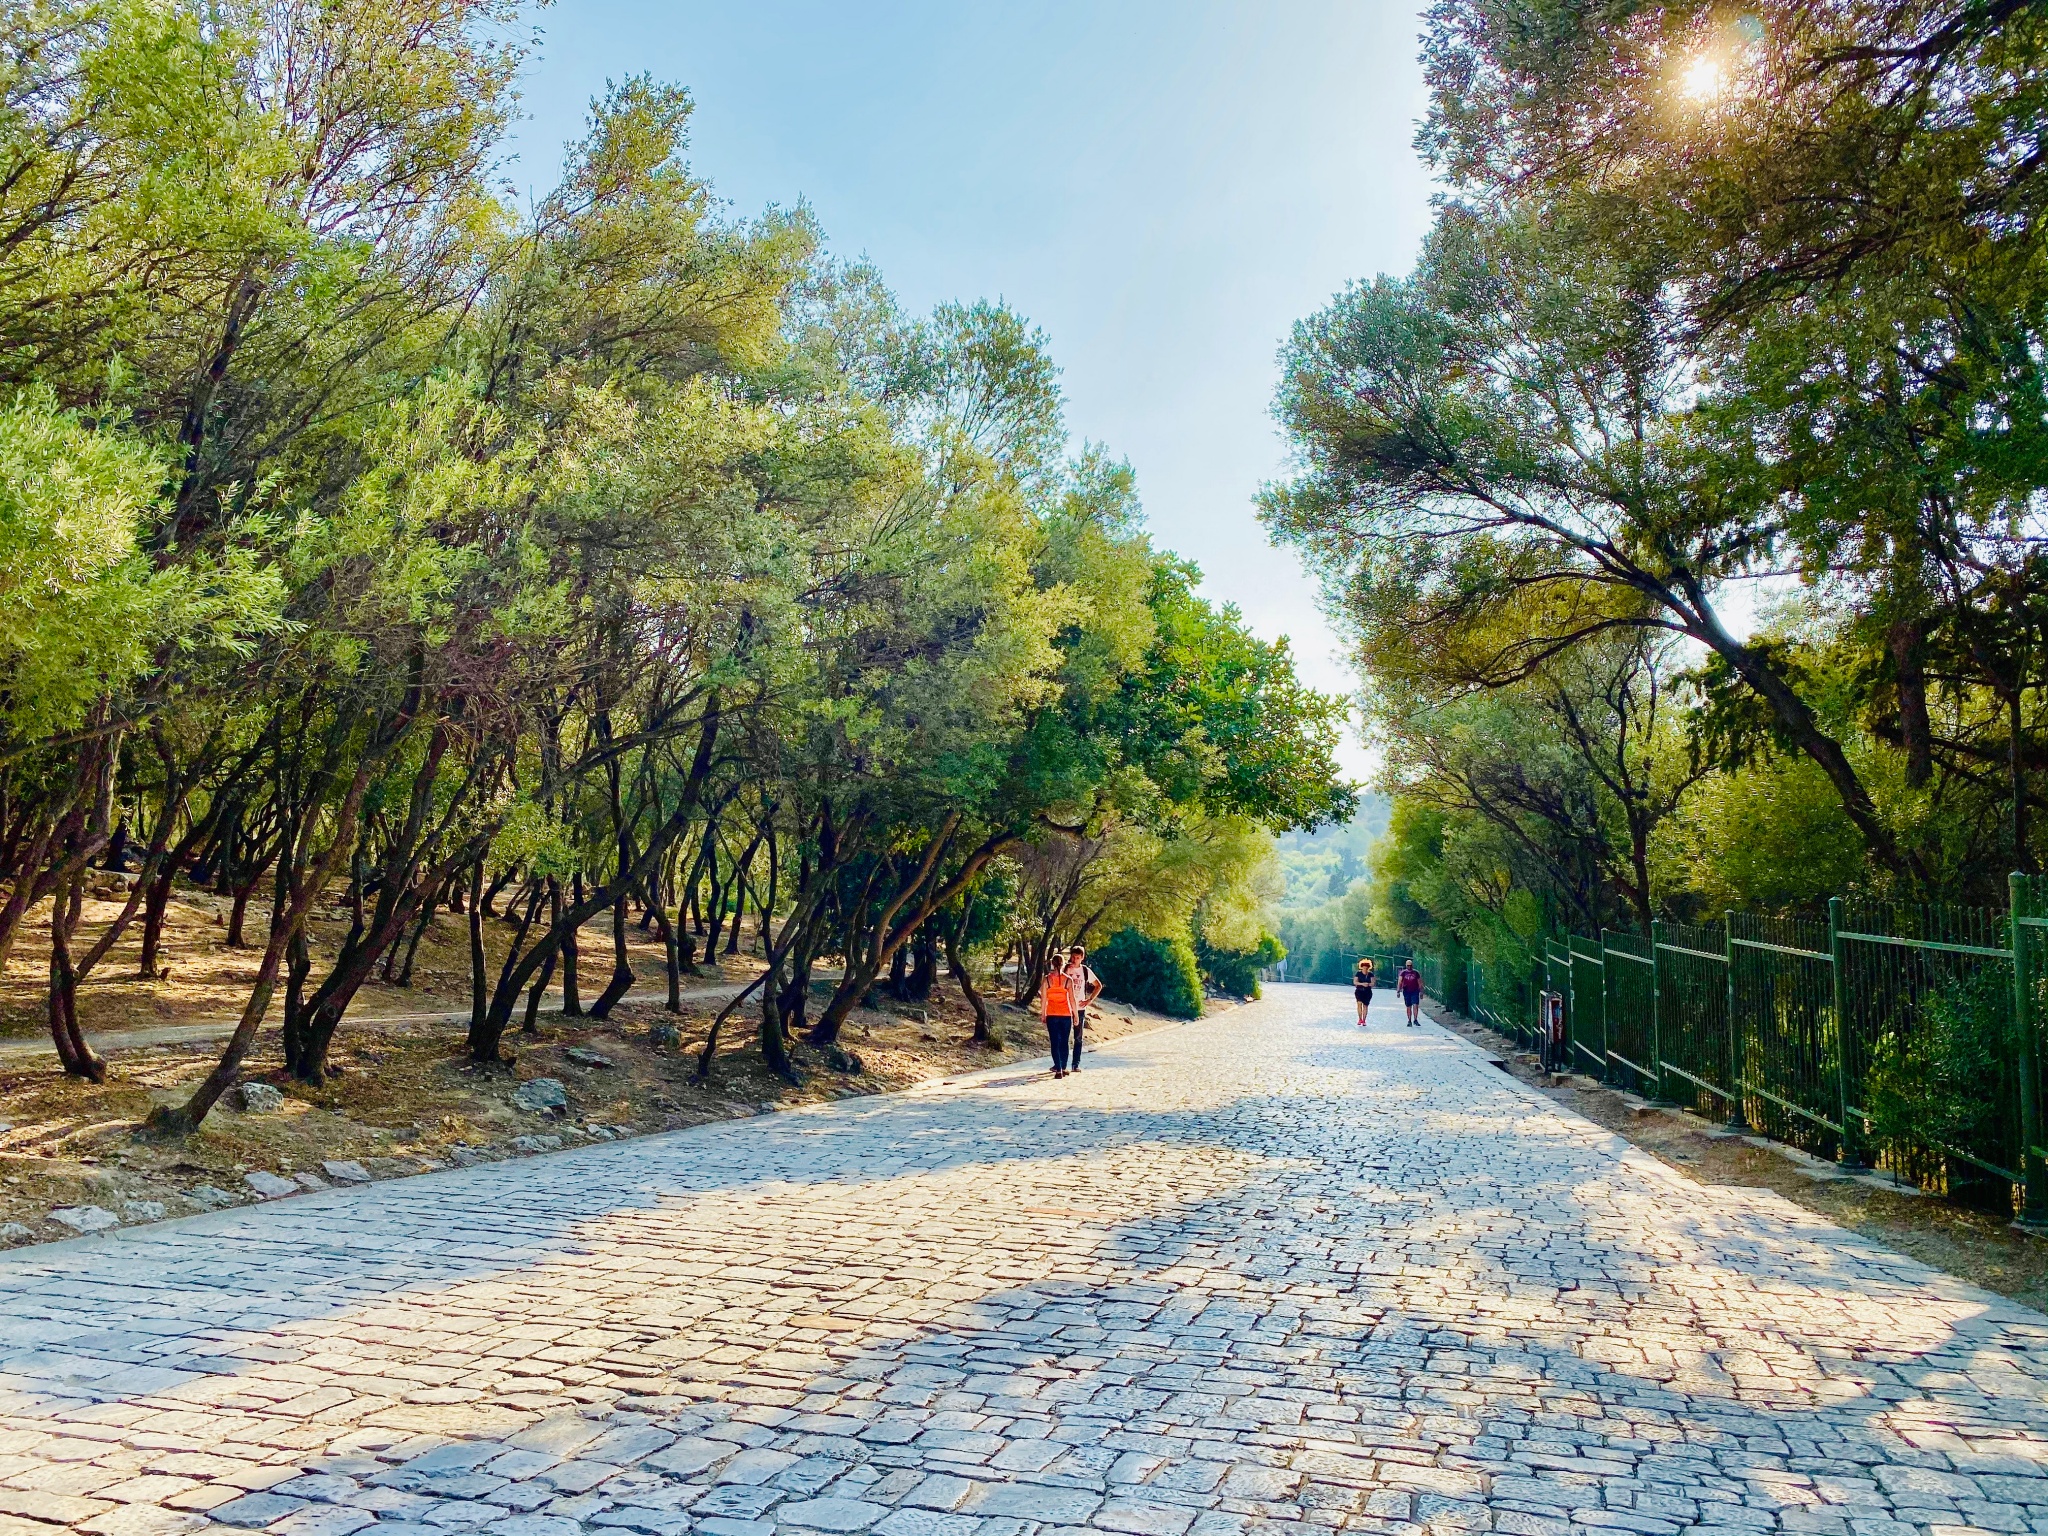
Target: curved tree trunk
(622, 965)
(77, 1057)
(530, 1025)
(774, 1041)
(956, 966)
(671, 955)
(298, 887)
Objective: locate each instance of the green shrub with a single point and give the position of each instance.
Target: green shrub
(1934, 1075)
(1235, 972)
(1159, 974)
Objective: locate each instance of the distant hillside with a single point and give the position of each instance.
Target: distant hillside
(1322, 864)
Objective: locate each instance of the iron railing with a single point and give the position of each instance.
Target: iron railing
(1906, 1038)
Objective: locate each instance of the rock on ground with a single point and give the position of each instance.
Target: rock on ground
(258, 1098)
(85, 1218)
(541, 1094)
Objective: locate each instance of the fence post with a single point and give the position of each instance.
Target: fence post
(1657, 1094)
(1850, 1153)
(2034, 1199)
(1736, 1114)
(1610, 1072)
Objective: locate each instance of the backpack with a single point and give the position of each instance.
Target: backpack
(1056, 999)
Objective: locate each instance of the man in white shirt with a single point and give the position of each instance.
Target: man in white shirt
(1084, 986)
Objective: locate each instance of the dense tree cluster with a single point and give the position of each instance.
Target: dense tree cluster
(364, 534)
(1724, 312)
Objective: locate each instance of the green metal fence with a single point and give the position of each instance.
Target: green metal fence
(1907, 1038)
(1629, 1007)
(1502, 997)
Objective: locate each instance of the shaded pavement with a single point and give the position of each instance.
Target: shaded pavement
(1263, 1272)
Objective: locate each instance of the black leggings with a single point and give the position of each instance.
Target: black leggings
(1061, 1029)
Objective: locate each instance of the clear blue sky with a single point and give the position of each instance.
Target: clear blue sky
(1164, 188)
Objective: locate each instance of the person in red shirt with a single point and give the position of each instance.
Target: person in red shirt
(1409, 985)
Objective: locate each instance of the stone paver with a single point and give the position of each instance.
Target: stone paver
(1265, 1273)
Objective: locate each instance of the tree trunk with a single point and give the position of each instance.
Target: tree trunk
(1907, 641)
(483, 1039)
(572, 1000)
(765, 902)
(152, 860)
(924, 968)
(715, 910)
(238, 914)
(298, 965)
(536, 893)
(287, 916)
(796, 996)
(153, 911)
(670, 955)
(956, 966)
(24, 890)
(2022, 851)
(1799, 720)
(78, 1058)
(531, 1024)
(622, 964)
(739, 910)
(420, 926)
(478, 998)
(899, 922)
(353, 968)
(774, 1042)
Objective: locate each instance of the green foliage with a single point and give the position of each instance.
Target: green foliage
(1235, 972)
(1218, 713)
(1156, 973)
(1770, 835)
(1322, 941)
(83, 608)
(1321, 865)
(90, 619)
(1929, 1073)
(359, 524)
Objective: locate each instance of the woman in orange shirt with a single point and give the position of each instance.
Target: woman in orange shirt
(1059, 1016)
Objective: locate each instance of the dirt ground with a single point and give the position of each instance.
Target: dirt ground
(404, 1098)
(1967, 1244)
(201, 979)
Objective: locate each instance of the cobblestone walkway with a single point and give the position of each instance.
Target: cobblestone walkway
(1266, 1268)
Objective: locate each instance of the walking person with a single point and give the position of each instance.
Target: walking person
(1409, 985)
(1083, 987)
(1059, 1017)
(1361, 987)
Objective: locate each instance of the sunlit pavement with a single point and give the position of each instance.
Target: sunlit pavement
(1265, 1268)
